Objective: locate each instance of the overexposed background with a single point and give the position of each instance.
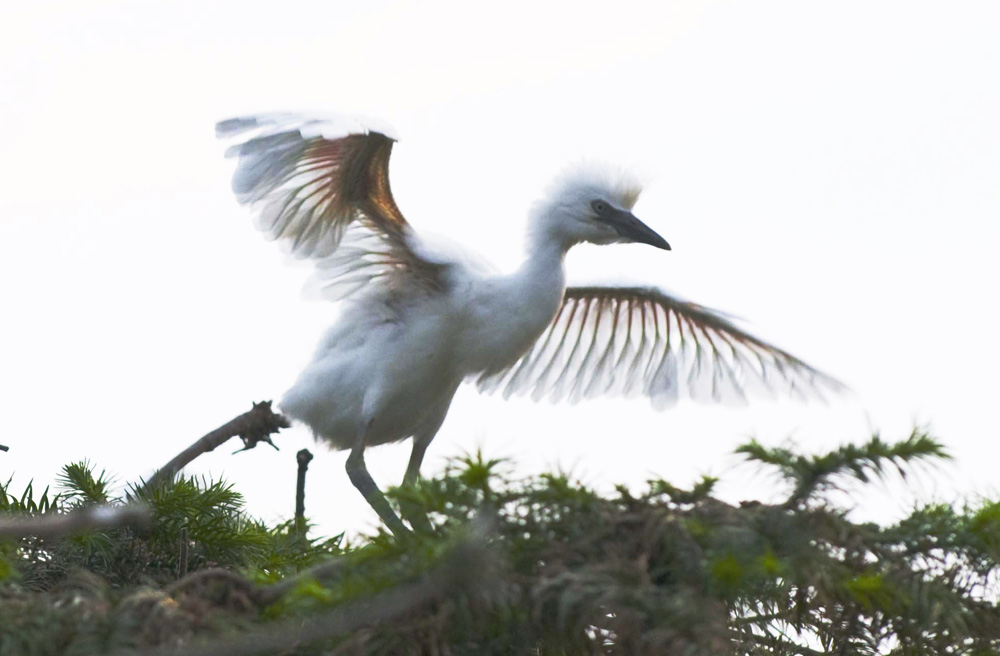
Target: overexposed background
(827, 170)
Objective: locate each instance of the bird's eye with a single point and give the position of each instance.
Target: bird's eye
(599, 206)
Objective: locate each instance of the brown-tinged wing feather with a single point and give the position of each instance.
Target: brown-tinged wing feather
(627, 340)
(316, 185)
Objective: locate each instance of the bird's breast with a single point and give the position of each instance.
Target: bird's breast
(502, 323)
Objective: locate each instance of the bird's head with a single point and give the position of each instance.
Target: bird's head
(586, 205)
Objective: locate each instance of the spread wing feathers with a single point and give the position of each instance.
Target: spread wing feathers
(608, 340)
(321, 187)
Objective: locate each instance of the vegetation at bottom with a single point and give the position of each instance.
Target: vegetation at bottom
(541, 565)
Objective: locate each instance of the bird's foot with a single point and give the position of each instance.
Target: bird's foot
(416, 517)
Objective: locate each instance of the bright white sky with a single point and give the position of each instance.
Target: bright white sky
(827, 170)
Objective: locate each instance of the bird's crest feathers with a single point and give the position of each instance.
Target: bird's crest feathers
(596, 181)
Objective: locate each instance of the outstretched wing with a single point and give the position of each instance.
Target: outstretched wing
(321, 187)
(613, 340)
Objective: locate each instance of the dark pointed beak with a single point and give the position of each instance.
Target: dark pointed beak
(635, 230)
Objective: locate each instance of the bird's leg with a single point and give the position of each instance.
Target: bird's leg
(362, 480)
(418, 520)
(416, 457)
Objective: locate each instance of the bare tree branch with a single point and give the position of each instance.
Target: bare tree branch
(261, 595)
(464, 568)
(272, 593)
(58, 525)
(204, 576)
(253, 427)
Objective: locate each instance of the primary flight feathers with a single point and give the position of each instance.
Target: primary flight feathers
(630, 340)
(311, 183)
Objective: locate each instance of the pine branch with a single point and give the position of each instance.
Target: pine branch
(809, 474)
(79, 483)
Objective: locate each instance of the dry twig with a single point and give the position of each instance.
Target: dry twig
(252, 427)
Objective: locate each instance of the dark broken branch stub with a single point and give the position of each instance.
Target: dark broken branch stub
(302, 457)
(253, 427)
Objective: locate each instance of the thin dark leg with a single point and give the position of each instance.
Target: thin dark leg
(416, 457)
(418, 520)
(362, 480)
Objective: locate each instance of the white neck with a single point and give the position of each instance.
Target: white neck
(545, 262)
(512, 311)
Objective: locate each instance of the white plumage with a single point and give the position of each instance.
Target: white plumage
(418, 324)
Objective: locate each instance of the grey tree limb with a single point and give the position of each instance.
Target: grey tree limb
(59, 524)
(261, 595)
(272, 593)
(465, 568)
(255, 426)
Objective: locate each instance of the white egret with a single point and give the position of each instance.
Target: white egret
(418, 325)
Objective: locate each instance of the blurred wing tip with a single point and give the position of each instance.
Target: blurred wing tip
(232, 126)
(379, 126)
(832, 384)
(239, 124)
(330, 126)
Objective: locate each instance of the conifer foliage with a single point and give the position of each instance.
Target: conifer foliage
(541, 565)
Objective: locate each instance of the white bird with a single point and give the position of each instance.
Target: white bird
(418, 325)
